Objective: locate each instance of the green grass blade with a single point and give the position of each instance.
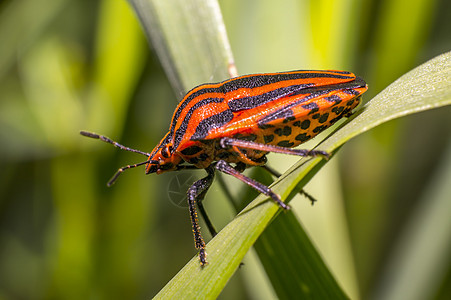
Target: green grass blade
(33, 20)
(190, 39)
(292, 263)
(423, 88)
(417, 265)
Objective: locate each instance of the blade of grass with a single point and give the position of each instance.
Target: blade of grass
(33, 21)
(423, 88)
(190, 39)
(426, 235)
(292, 263)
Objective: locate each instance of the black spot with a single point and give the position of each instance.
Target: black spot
(194, 160)
(338, 109)
(249, 137)
(207, 142)
(191, 150)
(268, 138)
(332, 121)
(289, 119)
(305, 124)
(319, 128)
(297, 123)
(224, 155)
(347, 112)
(316, 116)
(264, 126)
(333, 98)
(350, 102)
(285, 144)
(203, 156)
(286, 131)
(302, 137)
(313, 107)
(324, 118)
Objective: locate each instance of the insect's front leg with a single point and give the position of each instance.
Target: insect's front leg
(260, 187)
(196, 193)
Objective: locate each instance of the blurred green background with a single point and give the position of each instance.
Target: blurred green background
(72, 65)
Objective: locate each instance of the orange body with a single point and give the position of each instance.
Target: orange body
(239, 121)
(283, 109)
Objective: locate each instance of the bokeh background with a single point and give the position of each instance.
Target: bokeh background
(72, 65)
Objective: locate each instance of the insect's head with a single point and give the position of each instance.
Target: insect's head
(163, 158)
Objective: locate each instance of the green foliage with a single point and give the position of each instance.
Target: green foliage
(380, 228)
(231, 244)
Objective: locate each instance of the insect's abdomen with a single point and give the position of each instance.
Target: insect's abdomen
(293, 131)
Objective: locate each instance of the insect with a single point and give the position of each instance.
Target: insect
(239, 121)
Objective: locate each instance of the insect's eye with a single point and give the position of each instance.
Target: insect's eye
(151, 169)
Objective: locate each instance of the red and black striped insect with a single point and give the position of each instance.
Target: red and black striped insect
(239, 121)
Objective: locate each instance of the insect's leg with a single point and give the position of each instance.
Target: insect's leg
(200, 199)
(195, 195)
(228, 169)
(230, 142)
(302, 192)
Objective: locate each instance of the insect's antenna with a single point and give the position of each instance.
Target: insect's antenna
(119, 172)
(110, 141)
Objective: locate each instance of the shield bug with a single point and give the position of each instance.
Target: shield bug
(239, 121)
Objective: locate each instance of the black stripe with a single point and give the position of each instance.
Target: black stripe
(249, 82)
(260, 80)
(280, 114)
(265, 79)
(190, 98)
(244, 82)
(333, 98)
(311, 93)
(212, 122)
(182, 129)
(254, 101)
(339, 72)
